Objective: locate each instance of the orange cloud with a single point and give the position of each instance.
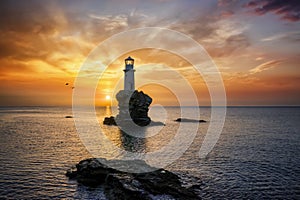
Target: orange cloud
(265, 66)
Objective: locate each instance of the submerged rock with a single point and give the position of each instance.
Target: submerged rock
(125, 185)
(189, 120)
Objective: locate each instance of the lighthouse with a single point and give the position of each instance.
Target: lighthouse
(129, 74)
(133, 105)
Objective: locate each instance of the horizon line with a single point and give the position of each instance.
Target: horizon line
(203, 106)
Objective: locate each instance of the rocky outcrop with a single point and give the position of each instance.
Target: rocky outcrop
(138, 108)
(189, 120)
(123, 185)
(133, 106)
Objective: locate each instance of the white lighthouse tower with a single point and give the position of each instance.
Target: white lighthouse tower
(129, 74)
(133, 105)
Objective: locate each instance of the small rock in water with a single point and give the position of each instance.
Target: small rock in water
(110, 121)
(189, 120)
(68, 116)
(154, 123)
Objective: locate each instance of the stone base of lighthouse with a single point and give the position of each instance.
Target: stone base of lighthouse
(133, 107)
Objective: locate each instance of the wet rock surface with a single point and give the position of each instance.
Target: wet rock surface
(125, 185)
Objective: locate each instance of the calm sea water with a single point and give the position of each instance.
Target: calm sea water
(256, 157)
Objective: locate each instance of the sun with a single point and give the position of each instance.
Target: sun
(107, 97)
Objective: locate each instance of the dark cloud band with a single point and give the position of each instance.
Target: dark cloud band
(287, 9)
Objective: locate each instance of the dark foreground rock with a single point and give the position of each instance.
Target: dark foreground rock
(189, 120)
(124, 185)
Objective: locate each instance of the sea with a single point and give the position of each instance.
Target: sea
(257, 155)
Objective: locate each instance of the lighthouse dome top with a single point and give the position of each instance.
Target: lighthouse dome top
(129, 58)
(129, 61)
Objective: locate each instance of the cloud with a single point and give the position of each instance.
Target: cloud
(121, 22)
(111, 22)
(229, 45)
(259, 58)
(216, 31)
(288, 9)
(291, 36)
(159, 72)
(223, 3)
(265, 66)
(226, 14)
(32, 31)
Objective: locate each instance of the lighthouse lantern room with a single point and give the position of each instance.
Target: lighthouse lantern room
(129, 74)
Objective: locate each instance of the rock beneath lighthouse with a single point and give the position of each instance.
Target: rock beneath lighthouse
(133, 106)
(138, 108)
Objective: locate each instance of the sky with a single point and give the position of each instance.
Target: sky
(255, 45)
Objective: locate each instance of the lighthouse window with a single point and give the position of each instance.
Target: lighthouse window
(129, 62)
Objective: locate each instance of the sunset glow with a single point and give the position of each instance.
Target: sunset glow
(43, 45)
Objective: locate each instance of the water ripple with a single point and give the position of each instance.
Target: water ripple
(256, 157)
